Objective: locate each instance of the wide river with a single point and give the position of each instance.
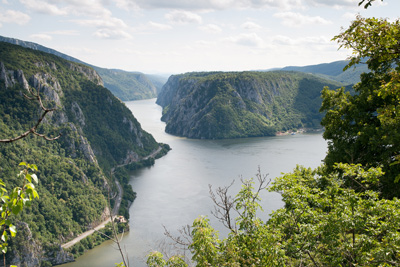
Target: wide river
(175, 190)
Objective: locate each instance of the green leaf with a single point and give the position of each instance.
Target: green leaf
(34, 177)
(13, 230)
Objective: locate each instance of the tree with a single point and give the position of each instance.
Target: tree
(323, 223)
(13, 203)
(363, 128)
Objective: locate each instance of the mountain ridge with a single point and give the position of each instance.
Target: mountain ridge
(217, 105)
(123, 84)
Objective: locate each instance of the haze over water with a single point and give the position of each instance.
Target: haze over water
(175, 190)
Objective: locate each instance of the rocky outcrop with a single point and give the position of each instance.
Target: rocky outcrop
(77, 111)
(28, 252)
(240, 104)
(89, 73)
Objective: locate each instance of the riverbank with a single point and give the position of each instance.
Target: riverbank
(119, 201)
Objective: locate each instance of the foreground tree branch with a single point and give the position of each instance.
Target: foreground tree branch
(33, 130)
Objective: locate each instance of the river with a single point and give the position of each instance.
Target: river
(175, 191)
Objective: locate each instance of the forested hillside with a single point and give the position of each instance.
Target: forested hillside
(123, 84)
(334, 70)
(218, 105)
(97, 131)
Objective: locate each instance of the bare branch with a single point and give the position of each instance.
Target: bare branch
(223, 204)
(185, 237)
(35, 96)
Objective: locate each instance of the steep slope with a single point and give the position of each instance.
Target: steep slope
(98, 133)
(240, 104)
(120, 83)
(123, 84)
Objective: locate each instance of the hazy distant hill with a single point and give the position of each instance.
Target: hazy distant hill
(334, 71)
(123, 84)
(214, 105)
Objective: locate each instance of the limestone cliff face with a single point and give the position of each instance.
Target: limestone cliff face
(98, 132)
(29, 252)
(240, 104)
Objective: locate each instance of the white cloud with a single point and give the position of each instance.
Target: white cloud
(126, 5)
(12, 16)
(212, 4)
(112, 34)
(250, 26)
(41, 36)
(292, 19)
(247, 39)
(64, 32)
(159, 26)
(312, 40)
(349, 16)
(335, 3)
(108, 27)
(67, 7)
(43, 7)
(211, 28)
(183, 17)
(105, 22)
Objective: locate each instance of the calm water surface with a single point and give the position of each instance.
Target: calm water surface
(174, 191)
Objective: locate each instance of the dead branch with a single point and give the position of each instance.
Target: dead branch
(223, 205)
(33, 130)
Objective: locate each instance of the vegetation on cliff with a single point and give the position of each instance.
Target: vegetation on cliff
(215, 105)
(98, 132)
(123, 84)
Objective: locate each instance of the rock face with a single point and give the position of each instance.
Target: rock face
(123, 84)
(243, 104)
(98, 132)
(31, 253)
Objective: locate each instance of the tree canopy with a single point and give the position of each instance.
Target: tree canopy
(363, 127)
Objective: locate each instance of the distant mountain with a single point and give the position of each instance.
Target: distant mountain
(333, 71)
(215, 105)
(123, 84)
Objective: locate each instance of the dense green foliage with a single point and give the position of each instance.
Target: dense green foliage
(98, 133)
(12, 203)
(363, 128)
(323, 223)
(218, 105)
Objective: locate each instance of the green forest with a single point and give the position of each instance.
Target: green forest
(219, 105)
(96, 132)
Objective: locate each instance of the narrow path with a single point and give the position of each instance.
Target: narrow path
(114, 211)
(85, 234)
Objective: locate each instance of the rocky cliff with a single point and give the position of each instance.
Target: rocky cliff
(98, 132)
(123, 84)
(240, 104)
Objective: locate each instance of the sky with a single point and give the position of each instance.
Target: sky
(177, 36)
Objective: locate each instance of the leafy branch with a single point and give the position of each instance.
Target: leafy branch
(13, 203)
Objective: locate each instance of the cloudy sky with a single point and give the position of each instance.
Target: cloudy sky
(175, 36)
